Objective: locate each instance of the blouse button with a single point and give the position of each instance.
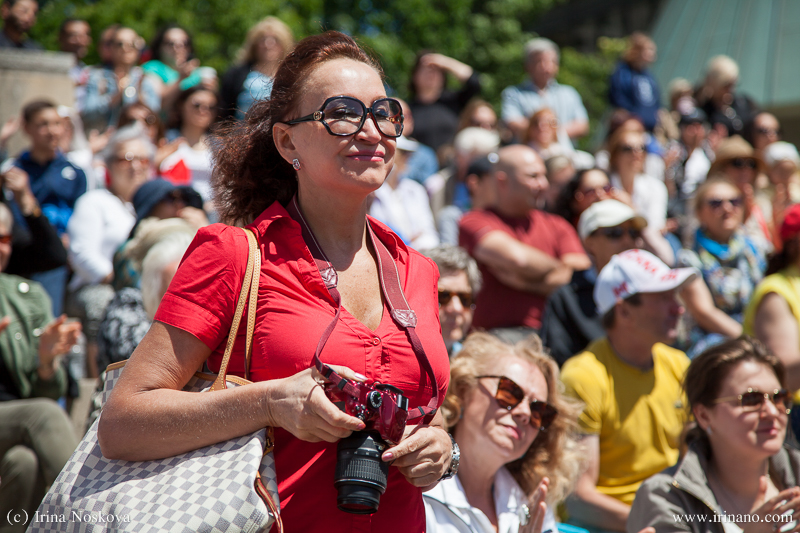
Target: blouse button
(18, 335)
(376, 341)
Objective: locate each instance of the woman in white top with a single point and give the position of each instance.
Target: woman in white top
(649, 195)
(516, 435)
(101, 222)
(194, 113)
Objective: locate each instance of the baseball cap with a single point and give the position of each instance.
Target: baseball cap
(607, 214)
(692, 116)
(634, 272)
(781, 151)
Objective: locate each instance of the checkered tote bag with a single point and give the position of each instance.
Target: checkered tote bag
(226, 487)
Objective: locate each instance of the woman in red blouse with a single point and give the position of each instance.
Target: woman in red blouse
(330, 162)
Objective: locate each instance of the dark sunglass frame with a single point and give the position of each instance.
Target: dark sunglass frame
(759, 398)
(466, 298)
(744, 162)
(717, 203)
(319, 116)
(615, 233)
(541, 412)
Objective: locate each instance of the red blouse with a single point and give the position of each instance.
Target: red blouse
(294, 307)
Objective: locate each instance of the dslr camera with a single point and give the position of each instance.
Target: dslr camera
(361, 475)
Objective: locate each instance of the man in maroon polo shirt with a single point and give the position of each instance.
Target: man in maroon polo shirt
(524, 254)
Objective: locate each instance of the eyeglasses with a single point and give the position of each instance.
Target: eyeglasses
(130, 157)
(126, 45)
(753, 400)
(768, 131)
(617, 233)
(509, 395)
(199, 106)
(173, 197)
(5, 239)
(483, 124)
(717, 203)
(741, 163)
(627, 149)
(446, 296)
(345, 115)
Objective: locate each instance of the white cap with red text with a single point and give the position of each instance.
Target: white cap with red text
(634, 272)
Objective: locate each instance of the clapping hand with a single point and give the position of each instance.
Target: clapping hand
(537, 508)
(786, 501)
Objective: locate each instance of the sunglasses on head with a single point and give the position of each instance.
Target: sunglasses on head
(753, 400)
(717, 203)
(446, 296)
(617, 233)
(509, 395)
(741, 162)
(345, 115)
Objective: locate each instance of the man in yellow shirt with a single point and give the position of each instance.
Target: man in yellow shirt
(630, 381)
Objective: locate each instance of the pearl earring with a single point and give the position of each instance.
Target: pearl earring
(296, 164)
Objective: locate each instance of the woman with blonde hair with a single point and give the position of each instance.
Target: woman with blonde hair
(265, 46)
(727, 110)
(516, 433)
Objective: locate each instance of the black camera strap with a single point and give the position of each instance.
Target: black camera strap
(400, 310)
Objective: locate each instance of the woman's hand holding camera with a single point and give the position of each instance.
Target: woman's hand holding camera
(299, 405)
(423, 455)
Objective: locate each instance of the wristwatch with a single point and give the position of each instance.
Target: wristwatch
(454, 458)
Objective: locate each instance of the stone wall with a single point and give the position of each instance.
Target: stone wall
(27, 75)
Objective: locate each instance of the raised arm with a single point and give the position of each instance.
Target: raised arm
(698, 300)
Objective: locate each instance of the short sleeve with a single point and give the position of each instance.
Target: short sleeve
(578, 110)
(568, 240)
(581, 383)
(202, 296)
(511, 109)
(474, 226)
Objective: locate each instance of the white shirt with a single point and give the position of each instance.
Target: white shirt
(448, 511)
(407, 211)
(100, 223)
(649, 199)
(198, 162)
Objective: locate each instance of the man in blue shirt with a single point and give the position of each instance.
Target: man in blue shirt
(631, 86)
(55, 182)
(542, 90)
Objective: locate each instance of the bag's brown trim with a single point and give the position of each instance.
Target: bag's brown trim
(264, 495)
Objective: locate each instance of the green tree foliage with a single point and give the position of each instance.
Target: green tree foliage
(487, 34)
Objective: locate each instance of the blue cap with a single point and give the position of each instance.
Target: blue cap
(149, 195)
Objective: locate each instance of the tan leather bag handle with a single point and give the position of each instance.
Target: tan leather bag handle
(249, 294)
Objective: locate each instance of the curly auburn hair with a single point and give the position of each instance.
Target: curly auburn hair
(249, 172)
(555, 453)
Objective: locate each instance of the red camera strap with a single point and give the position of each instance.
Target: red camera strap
(393, 293)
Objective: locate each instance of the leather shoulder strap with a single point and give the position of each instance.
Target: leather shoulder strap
(249, 292)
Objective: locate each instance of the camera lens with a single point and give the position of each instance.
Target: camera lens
(360, 474)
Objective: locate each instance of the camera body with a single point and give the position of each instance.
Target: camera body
(383, 408)
(361, 475)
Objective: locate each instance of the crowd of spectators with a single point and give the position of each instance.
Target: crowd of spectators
(677, 235)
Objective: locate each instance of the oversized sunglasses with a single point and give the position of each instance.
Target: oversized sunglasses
(741, 162)
(716, 203)
(446, 296)
(345, 115)
(616, 233)
(509, 395)
(753, 400)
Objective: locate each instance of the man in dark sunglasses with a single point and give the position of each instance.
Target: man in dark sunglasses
(630, 381)
(570, 321)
